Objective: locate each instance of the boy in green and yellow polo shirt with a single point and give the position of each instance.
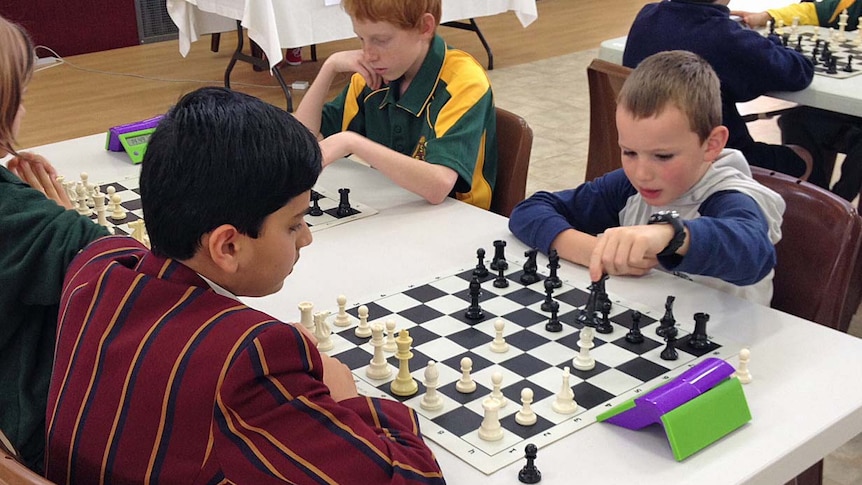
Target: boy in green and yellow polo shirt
(416, 110)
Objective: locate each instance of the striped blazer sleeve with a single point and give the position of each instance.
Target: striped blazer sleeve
(275, 421)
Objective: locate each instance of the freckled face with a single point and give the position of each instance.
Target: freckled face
(393, 52)
(661, 156)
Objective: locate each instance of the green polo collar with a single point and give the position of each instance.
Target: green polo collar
(420, 90)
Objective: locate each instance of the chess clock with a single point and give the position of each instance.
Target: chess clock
(132, 138)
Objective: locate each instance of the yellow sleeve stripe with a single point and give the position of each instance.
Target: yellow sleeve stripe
(805, 11)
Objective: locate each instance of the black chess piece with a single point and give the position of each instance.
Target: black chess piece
(814, 61)
(480, 271)
(667, 321)
(549, 298)
(344, 208)
(315, 209)
(798, 43)
(474, 311)
(849, 66)
(604, 325)
(635, 336)
(554, 265)
(530, 474)
(785, 39)
(669, 352)
(499, 255)
(699, 339)
(832, 66)
(500, 281)
(587, 315)
(554, 324)
(530, 274)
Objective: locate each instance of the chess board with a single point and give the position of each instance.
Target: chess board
(433, 313)
(130, 194)
(841, 50)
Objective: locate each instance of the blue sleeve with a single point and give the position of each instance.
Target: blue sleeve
(729, 241)
(590, 208)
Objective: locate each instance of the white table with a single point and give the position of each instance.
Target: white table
(277, 24)
(806, 399)
(839, 95)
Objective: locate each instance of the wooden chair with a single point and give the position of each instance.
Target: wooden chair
(13, 472)
(605, 80)
(818, 251)
(514, 144)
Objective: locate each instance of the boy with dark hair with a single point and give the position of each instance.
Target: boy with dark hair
(681, 200)
(418, 111)
(162, 375)
(747, 63)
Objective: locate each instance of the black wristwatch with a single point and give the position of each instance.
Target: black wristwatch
(672, 218)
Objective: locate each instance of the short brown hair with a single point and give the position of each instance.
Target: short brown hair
(679, 77)
(406, 14)
(16, 68)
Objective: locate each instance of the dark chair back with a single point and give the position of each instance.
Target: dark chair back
(514, 144)
(605, 80)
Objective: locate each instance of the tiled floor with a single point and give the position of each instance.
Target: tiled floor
(558, 112)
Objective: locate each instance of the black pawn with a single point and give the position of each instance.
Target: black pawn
(635, 336)
(549, 295)
(849, 66)
(554, 265)
(667, 321)
(604, 325)
(474, 311)
(530, 474)
(344, 208)
(530, 274)
(500, 281)
(315, 209)
(799, 43)
(785, 39)
(481, 270)
(699, 339)
(669, 352)
(554, 324)
(499, 255)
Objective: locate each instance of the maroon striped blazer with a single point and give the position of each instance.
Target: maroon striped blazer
(158, 379)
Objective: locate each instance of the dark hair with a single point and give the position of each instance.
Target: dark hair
(221, 157)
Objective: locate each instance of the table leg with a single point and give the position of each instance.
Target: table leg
(473, 27)
(259, 62)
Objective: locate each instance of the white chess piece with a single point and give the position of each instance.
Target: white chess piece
(342, 319)
(389, 345)
(404, 384)
(305, 316)
(526, 416)
(585, 361)
(565, 401)
(322, 332)
(490, 429)
(101, 219)
(466, 384)
(119, 213)
(499, 344)
(363, 330)
(496, 384)
(742, 373)
(81, 200)
(842, 25)
(794, 26)
(88, 189)
(378, 368)
(431, 401)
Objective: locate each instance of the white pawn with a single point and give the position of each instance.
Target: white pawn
(119, 213)
(81, 199)
(499, 344)
(363, 330)
(390, 345)
(490, 429)
(305, 316)
(431, 401)
(565, 401)
(342, 319)
(466, 384)
(525, 416)
(585, 361)
(496, 384)
(322, 332)
(378, 368)
(742, 372)
(88, 189)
